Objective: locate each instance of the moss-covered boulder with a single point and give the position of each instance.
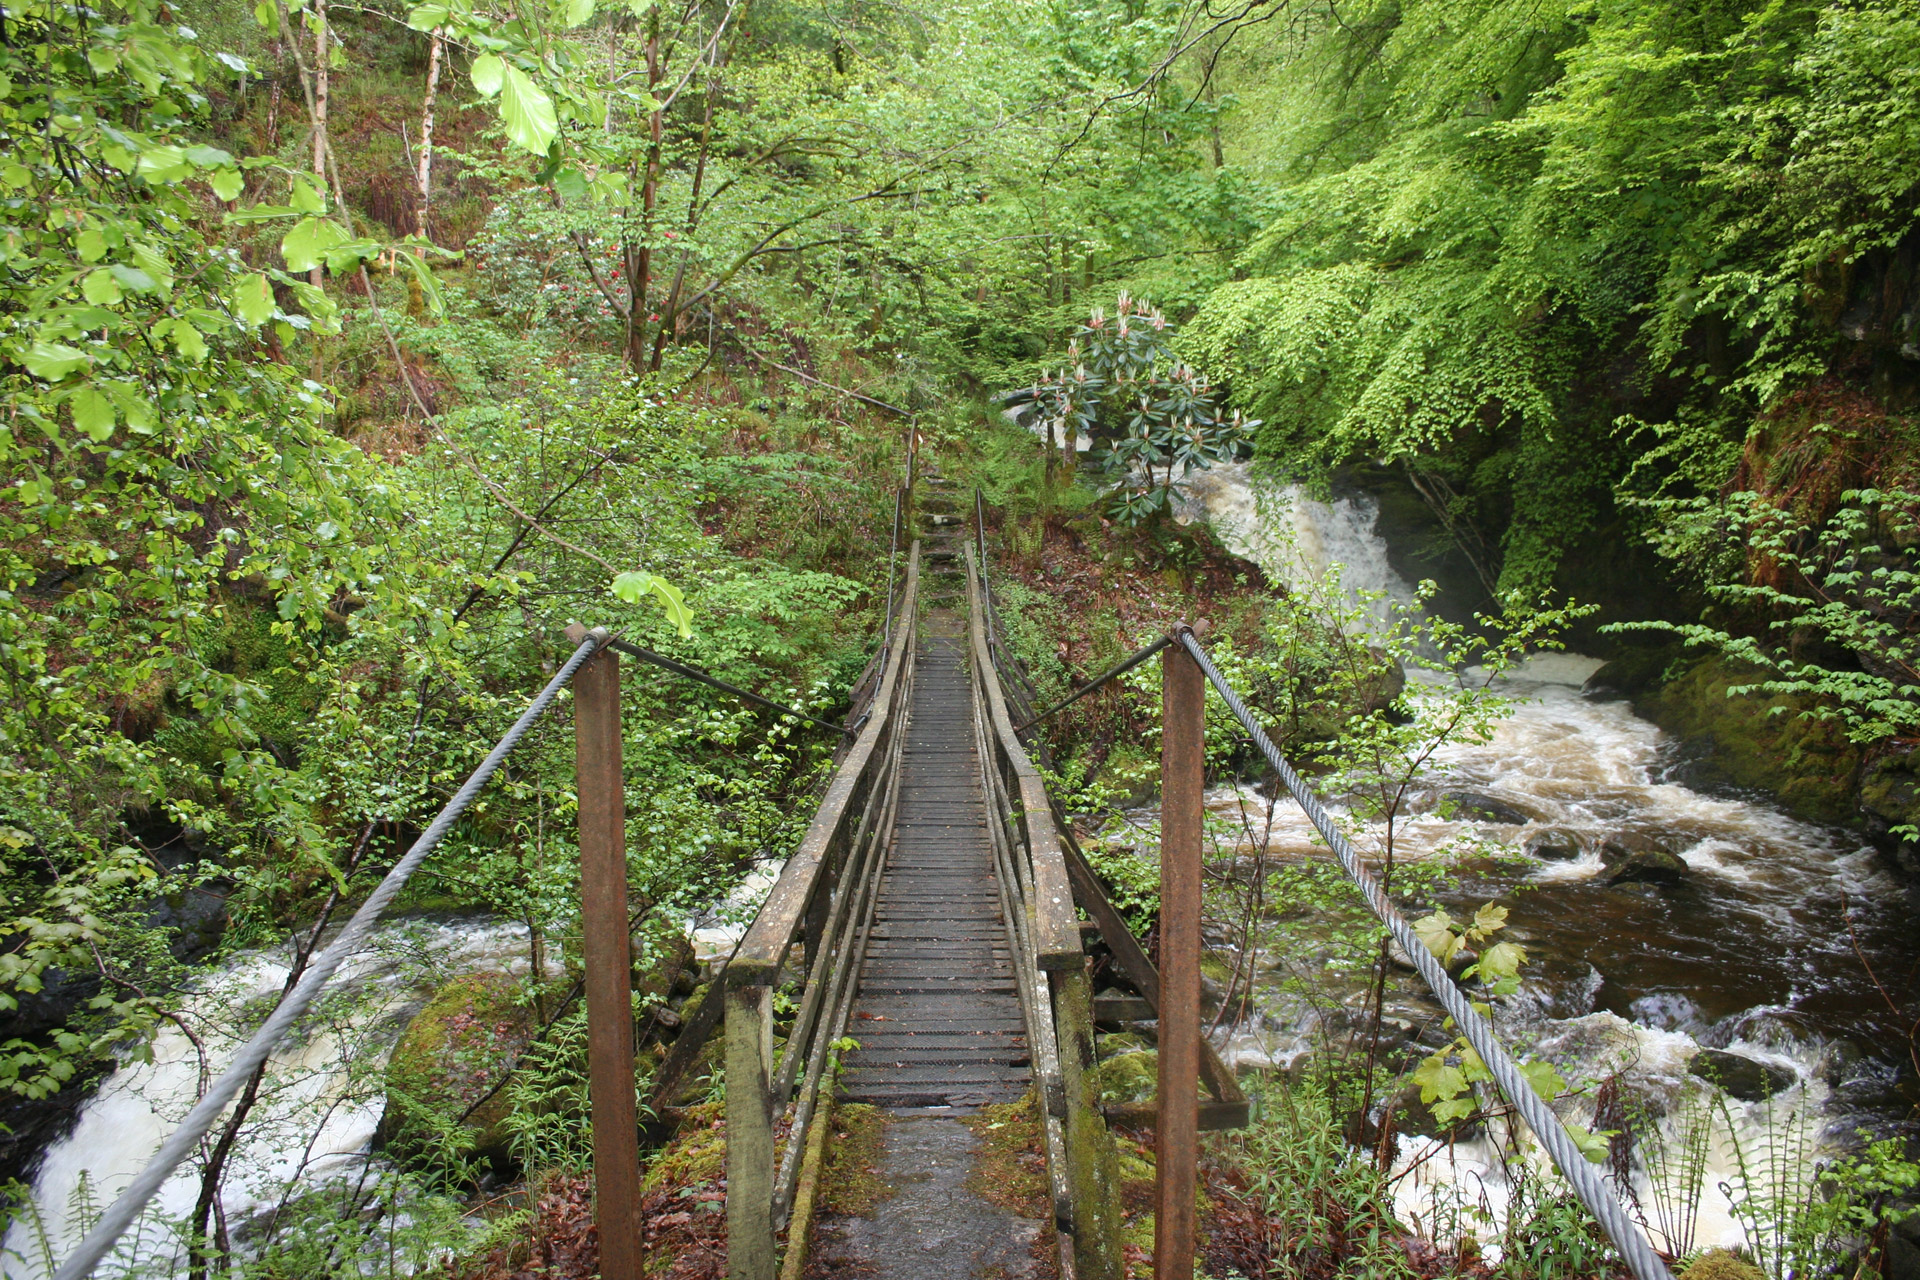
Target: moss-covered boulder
(452, 1060)
(1890, 798)
(1128, 1079)
(1720, 1264)
(1805, 761)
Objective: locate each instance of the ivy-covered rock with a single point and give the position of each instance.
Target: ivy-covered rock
(449, 1061)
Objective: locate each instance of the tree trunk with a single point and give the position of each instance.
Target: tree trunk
(425, 176)
(642, 278)
(321, 76)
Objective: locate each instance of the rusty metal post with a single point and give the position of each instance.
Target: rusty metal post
(1176, 1131)
(607, 952)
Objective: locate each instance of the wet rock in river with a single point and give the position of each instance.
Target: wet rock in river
(1555, 844)
(1748, 1079)
(1648, 866)
(1477, 806)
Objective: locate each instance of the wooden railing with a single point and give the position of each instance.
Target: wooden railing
(1226, 1107)
(823, 899)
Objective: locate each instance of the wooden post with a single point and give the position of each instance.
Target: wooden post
(1176, 1130)
(749, 1133)
(607, 951)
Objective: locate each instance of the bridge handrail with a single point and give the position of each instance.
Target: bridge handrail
(121, 1214)
(1581, 1174)
(764, 948)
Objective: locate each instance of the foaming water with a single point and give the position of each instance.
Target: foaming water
(1292, 535)
(1755, 951)
(317, 1114)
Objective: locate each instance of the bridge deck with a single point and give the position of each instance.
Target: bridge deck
(937, 1016)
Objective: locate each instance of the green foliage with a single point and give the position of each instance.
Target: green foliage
(1849, 580)
(1496, 232)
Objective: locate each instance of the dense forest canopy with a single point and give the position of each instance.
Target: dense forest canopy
(350, 351)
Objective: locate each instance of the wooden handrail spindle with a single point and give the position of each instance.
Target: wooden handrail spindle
(1176, 1138)
(607, 952)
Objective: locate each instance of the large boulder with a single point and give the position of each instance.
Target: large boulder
(453, 1059)
(1554, 844)
(1737, 1075)
(1477, 806)
(1636, 671)
(1644, 866)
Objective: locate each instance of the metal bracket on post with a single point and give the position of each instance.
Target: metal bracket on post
(1177, 1126)
(607, 952)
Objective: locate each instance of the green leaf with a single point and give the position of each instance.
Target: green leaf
(637, 586)
(227, 183)
(426, 17)
(91, 245)
(16, 175)
(527, 112)
(133, 278)
(1489, 919)
(1437, 1080)
(306, 199)
(100, 288)
(1596, 1147)
(103, 58)
(1436, 933)
(188, 342)
(264, 14)
(305, 247)
(570, 183)
(133, 406)
(488, 72)
(92, 413)
(578, 11)
(164, 165)
(253, 300)
(1501, 962)
(210, 157)
(1545, 1080)
(53, 361)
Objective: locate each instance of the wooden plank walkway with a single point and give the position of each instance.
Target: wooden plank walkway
(936, 1013)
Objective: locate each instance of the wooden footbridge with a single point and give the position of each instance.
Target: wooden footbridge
(928, 948)
(932, 915)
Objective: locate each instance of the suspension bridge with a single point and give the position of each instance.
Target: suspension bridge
(939, 909)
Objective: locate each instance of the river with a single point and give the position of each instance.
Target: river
(1762, 949)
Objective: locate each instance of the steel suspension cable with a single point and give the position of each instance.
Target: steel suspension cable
(1126, 664)
(123, 1211)
(665, 663)
(1579, 1172)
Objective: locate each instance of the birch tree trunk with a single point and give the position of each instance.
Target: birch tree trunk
(321, 73)
(425, 176)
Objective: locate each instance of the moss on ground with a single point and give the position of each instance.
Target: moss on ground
(697, 1153)
(1011, 1168)
(850, 1184)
